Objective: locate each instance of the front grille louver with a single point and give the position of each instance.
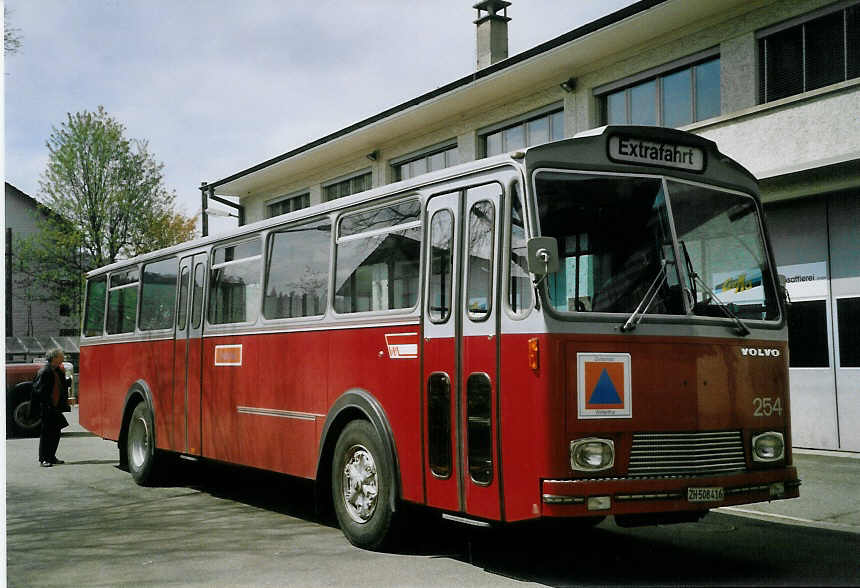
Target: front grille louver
(686, 454)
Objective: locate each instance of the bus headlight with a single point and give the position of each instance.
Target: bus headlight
(590, 455)
(768, 447)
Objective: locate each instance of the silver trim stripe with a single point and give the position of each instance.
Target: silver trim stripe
(686, 453)
(284, 414)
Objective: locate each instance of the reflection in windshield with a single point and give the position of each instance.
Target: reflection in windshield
(613, 237)
(720, 239)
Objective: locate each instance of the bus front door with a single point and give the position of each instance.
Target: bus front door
(460, 352)
(188, 355)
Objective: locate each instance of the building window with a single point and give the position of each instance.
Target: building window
(541, 128)
(807, 335)
(799, 57)
(345, 187)
(670, 98)
(431, 160)
(290, 204)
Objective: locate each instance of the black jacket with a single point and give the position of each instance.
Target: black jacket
(43, 390)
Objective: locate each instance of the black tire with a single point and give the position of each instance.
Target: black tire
(18, 410)
(141, 454)
(362, 483)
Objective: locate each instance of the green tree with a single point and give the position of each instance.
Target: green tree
(108, 202)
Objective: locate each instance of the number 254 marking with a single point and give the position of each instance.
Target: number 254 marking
(766, 406)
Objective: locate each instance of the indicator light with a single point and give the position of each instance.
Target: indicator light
(534, 353)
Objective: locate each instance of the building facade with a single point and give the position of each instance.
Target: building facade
(33, 324)
(776, 83)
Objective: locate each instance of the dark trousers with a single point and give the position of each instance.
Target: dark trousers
(49, 440)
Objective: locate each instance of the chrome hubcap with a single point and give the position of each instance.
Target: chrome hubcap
(359, 484)
(138, 439)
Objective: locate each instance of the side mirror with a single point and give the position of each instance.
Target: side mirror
(543, 255)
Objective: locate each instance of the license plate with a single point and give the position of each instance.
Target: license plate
(705, 494)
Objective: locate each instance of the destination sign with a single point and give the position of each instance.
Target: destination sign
(640, 151)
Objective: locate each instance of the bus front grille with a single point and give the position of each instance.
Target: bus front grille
(696, 454)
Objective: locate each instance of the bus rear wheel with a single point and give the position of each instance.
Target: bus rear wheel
(140, 446)
(362, 484)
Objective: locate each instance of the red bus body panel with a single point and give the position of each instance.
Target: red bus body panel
(678, 385)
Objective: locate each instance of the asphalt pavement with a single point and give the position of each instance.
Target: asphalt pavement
(86, 523)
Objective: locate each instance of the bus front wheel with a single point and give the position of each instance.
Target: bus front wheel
(362, 484)
(140, 445)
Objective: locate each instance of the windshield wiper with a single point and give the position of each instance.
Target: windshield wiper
(741, 329)
(648, 299)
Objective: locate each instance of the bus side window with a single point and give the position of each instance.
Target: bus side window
(182, 315)
(94, 319)
(479, 282)
(441, 265)
(377, 259)
(234, 287)
(158, 294)
(519, 286)
(297, 271)
(122, 302)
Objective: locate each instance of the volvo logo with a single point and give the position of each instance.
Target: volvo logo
(745, 351)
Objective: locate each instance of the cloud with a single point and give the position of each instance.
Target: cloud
(218, 86)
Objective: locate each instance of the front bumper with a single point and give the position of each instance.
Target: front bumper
(570, 498)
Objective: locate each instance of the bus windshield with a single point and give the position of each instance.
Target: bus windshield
(617, 255)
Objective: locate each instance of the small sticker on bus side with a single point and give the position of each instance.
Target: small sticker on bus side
(228, 355)
(603, 386)
(402, 345)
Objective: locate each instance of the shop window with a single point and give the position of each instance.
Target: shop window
(848, 311)
(807, 334)
(801, 57)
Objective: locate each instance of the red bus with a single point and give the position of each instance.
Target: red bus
(584, 328)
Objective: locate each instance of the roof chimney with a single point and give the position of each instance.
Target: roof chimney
(492, 31)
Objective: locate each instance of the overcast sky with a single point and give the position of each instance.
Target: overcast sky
(217, 86)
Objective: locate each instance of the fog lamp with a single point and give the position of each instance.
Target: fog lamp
(768, 447)
(590, 455)
(599, 503)
(777, 489)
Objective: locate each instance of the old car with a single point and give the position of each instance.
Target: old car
(19, 388)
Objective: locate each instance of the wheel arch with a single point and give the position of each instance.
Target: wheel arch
(137, 393)
(355, 404)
